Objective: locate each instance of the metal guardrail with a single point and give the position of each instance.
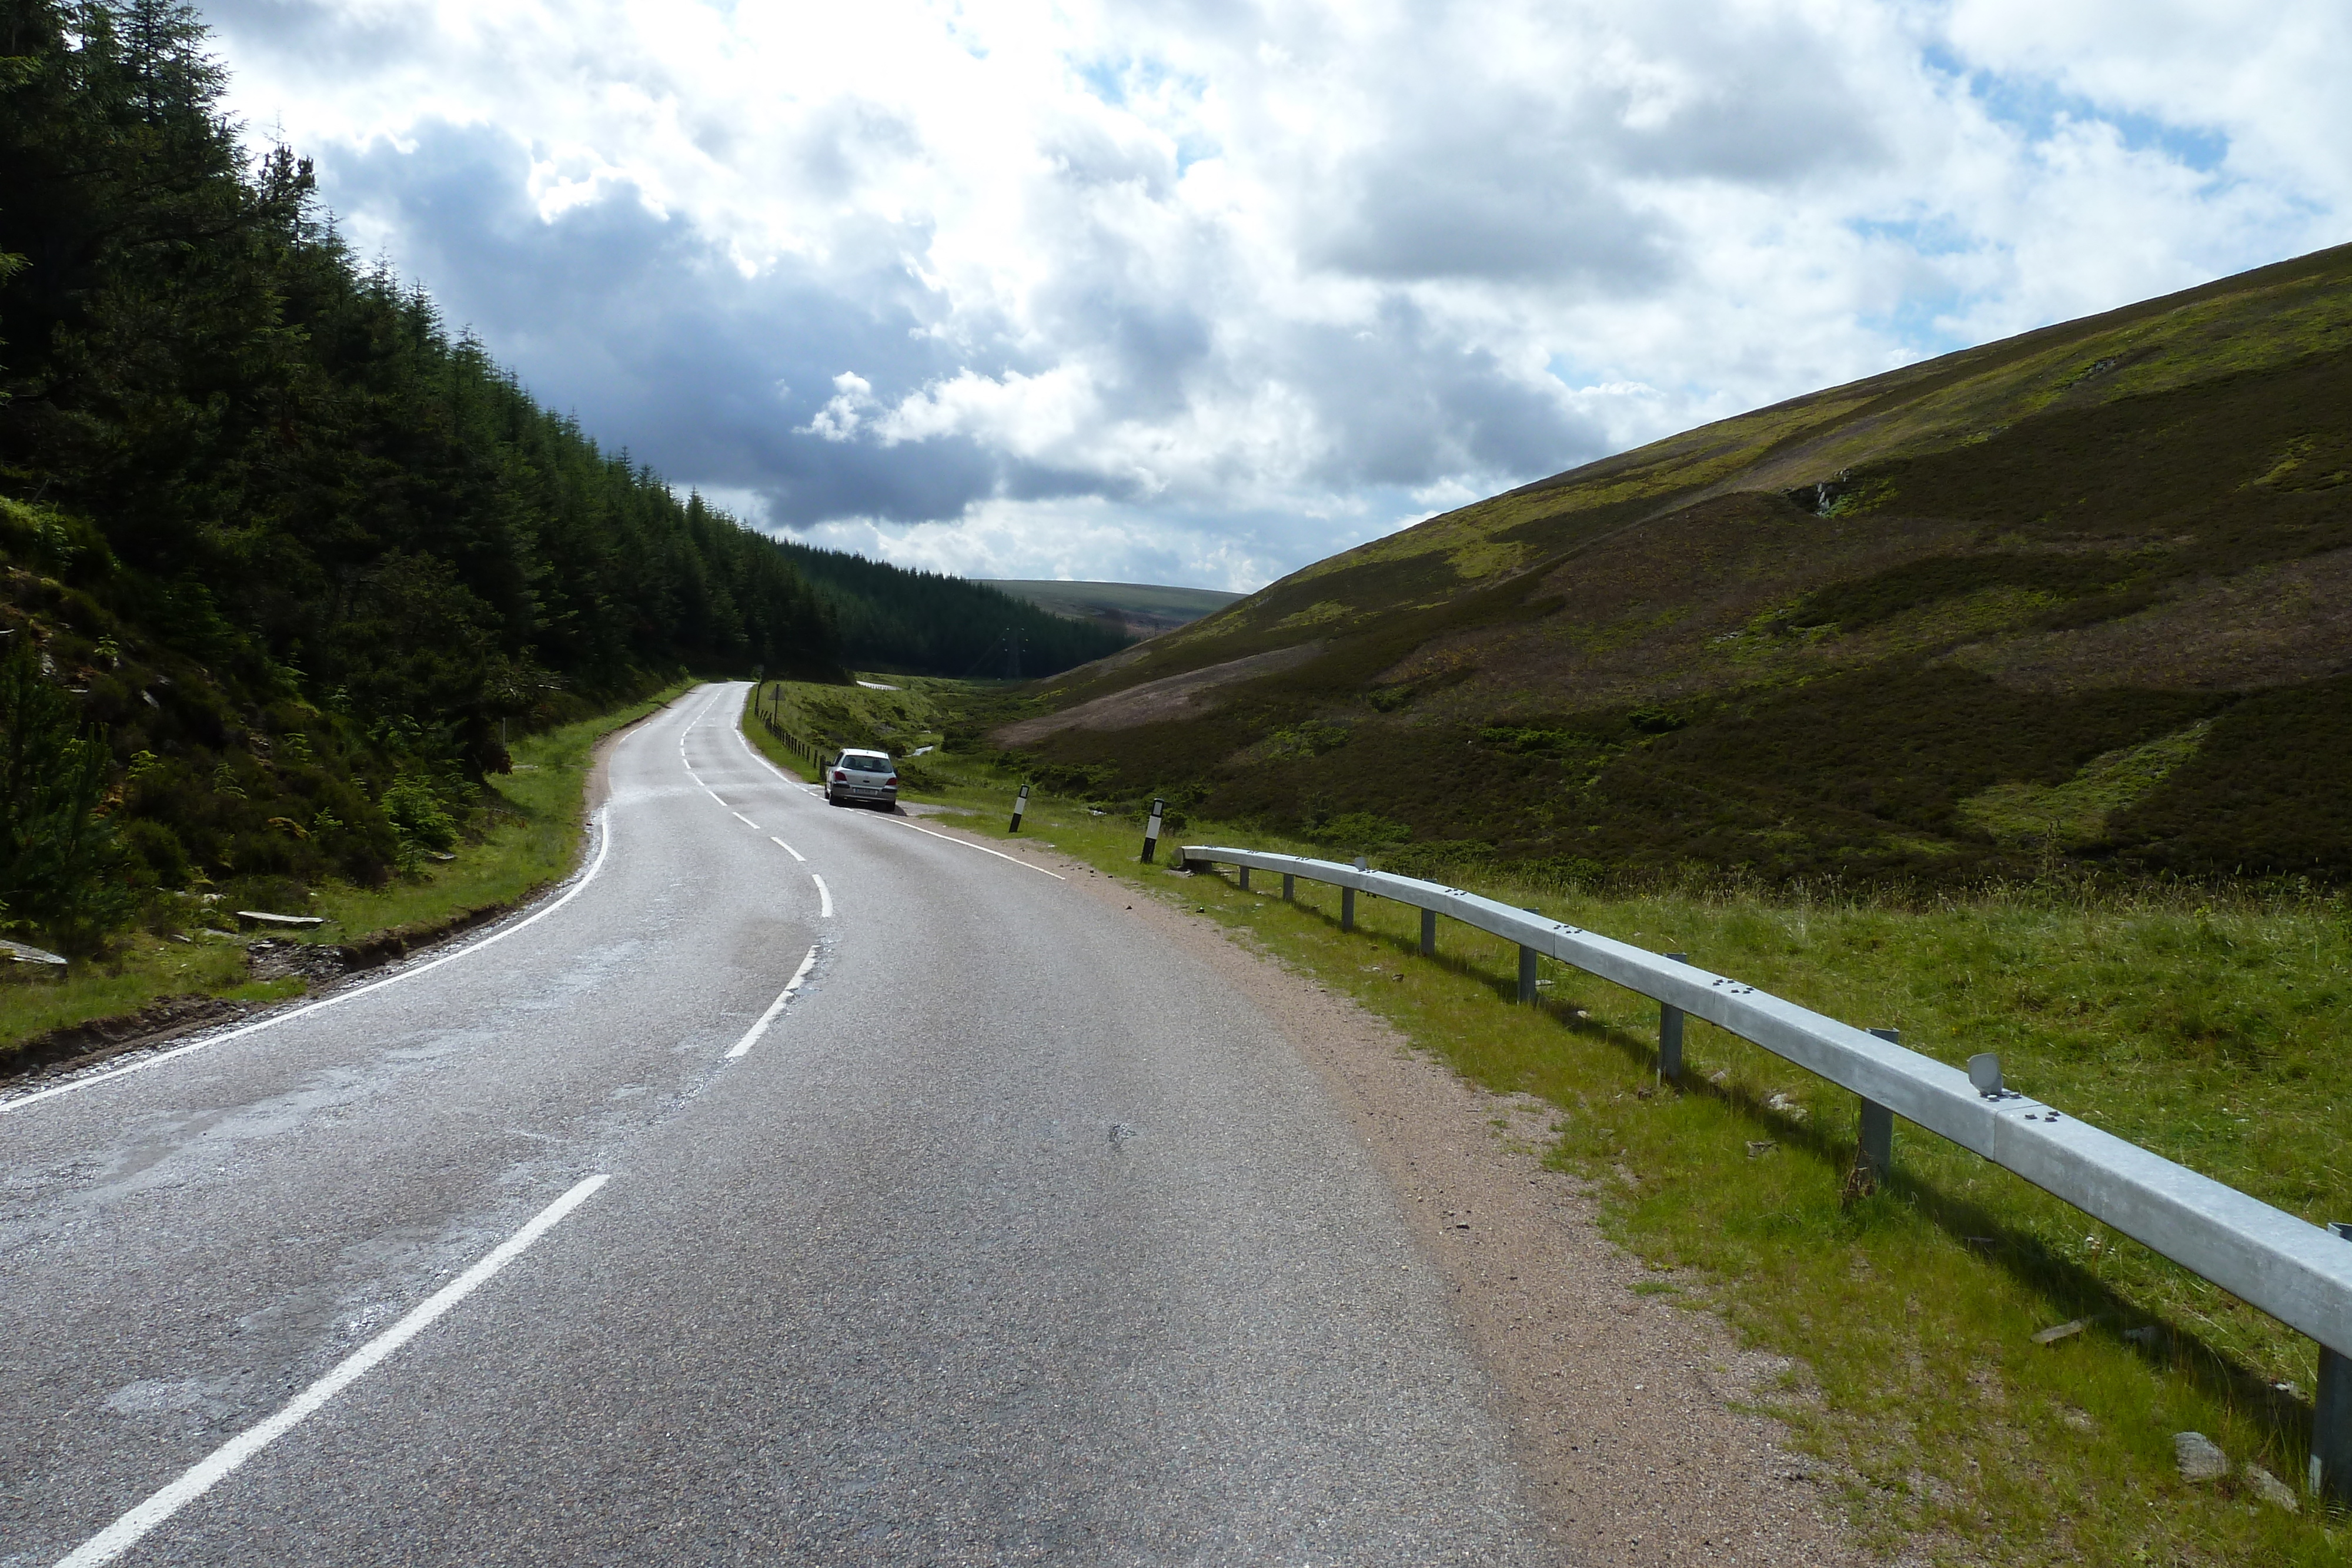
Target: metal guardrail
(2299, 1272)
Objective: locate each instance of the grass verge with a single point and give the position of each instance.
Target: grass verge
(2209, 1030)
(531, 838)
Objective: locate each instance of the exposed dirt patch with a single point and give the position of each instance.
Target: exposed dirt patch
(386, 946)
(273, 960)
(79, 1045)
(1633, 1413)
(1155, 701)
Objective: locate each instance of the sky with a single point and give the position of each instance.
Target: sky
(1199, 292)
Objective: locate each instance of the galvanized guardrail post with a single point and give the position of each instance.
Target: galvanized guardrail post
(1875, 1150)
(1527, 970)
(1245, 879)
(1289, 888)
(1019, 805)
(1670, 1035)
(2331, 1417)
(1151, 829)
(1428, 931)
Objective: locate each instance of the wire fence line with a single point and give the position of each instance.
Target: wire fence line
(769, 713)
(2299, 1272)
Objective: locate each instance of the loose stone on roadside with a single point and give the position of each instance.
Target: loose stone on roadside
(2198, 1457)
(2052, 1335)
(2269, 1487)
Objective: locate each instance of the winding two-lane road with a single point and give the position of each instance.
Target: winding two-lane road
(1008, 1237)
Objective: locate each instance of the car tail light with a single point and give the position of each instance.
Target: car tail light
(839, 776)
(892, 780)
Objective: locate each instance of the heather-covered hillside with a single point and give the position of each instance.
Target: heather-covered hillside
(2081, 597)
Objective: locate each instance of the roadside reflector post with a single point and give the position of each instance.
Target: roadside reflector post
(1151, 829)
(1874, 1156)
(1670, 1035)
(1287, 885)
(1020, 804)
(1429, 934)
(1245, 871)
(1347, 909)
(2331, 1417)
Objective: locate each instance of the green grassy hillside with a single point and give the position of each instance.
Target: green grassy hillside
(2077, 598)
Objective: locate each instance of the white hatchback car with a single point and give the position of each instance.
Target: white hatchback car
(862, 776)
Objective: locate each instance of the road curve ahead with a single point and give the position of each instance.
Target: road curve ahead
(1008, 1237)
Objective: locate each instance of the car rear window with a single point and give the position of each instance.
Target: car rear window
(869, 764)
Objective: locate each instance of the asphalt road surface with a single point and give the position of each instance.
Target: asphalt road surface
(1011, 1237)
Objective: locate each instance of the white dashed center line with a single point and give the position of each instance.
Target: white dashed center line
(125, 1532)
(746, 821)
(752, 1037)
(786, 848)
(824, 894)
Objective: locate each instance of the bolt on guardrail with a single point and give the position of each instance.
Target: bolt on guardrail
(2297, 1271)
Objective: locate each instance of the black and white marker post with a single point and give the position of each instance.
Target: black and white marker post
(1020, 804)
(1151, 829)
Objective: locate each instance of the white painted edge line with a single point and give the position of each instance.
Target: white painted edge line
(125, 1532)
(752, 752)
(824, 894)
(603, 847)
(983, 848)
(752, 1036)
(787, 848)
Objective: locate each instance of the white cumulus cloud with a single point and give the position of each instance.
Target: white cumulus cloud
(1200, 292)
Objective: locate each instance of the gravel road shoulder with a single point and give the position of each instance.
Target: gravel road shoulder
(1633, 1415)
